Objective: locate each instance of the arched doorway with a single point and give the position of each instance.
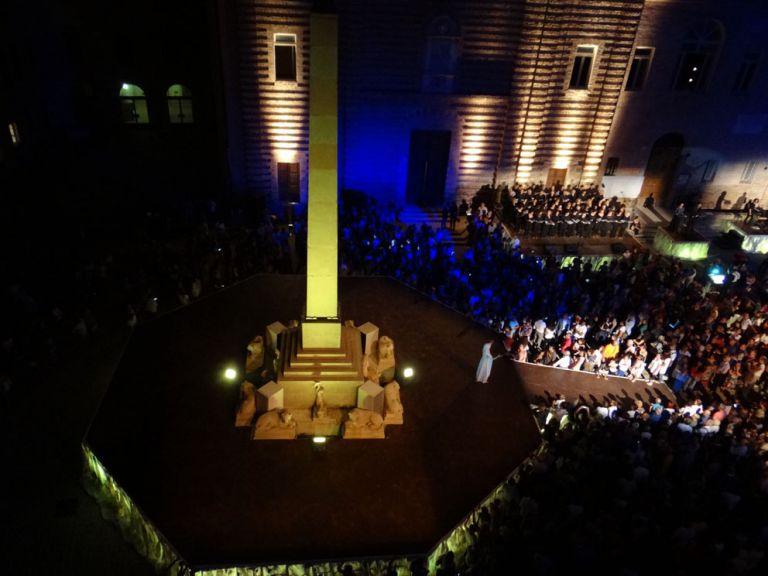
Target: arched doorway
(660, 170)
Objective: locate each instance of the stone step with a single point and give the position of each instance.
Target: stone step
(323, 377)
(306, 364)
(288, 345)
(323, 371)
(321, 354)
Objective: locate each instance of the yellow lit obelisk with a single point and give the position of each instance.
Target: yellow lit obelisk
(321, 327)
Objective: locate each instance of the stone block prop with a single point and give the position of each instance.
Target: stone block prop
(270, 397)
(370, 396)
(363, 424)
(275, 425)
(246, 407)
(369, 334)
(273, 333)
(255, 358)
(379, 366)
(393, 408)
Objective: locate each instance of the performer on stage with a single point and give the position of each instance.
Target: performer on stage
(485, 365)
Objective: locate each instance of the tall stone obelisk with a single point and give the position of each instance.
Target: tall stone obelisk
(321, 327)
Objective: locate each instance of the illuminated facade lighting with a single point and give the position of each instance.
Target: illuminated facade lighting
(13, 130)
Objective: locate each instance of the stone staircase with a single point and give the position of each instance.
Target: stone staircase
(416, 215)
(338, 370)
(650, 222)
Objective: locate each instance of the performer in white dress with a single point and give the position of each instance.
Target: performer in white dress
(485, 365)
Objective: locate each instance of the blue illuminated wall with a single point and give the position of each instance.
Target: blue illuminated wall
(496, 75)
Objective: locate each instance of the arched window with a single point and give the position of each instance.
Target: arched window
(701, 47)
(133, 104)
(442, 54)
(180, 104)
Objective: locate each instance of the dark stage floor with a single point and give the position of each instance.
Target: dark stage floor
(165, 432)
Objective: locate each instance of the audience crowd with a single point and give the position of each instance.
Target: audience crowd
(613, 485)
(92, 285)
(612, 482)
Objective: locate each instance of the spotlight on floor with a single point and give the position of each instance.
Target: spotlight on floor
(230, 374)
(408, 373)
(319, 443)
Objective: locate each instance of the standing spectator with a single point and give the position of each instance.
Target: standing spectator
(464, 208)
(678, 217)
(720, 200)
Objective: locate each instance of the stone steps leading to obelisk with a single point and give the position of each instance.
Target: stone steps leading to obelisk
(338, 370)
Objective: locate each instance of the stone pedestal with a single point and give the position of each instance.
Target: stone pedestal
(370, 396)
(328, 425)
(273, 332)
(370, 335)
(270, 397)
(321, 334)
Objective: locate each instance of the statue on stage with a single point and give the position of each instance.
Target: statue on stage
(379, 366)
(246, 407)
(255, 358)
(319, 409)
(363, 424)
(393, 407)
(275, 425)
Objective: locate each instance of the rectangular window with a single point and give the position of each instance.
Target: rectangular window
(710, 169)
(749, 172)
(288, 182)
(638, 70)
(582, 67)
(611, 166)
(692, 74)
(13, 130)
(285, 57)
(746, 73)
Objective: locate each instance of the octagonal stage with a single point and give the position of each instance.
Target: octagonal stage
(165, 432)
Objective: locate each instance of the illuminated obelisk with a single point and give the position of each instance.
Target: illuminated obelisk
(321, 327)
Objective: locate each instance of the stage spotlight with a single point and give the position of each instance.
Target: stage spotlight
(319, 444)
(408, 373)
(716, 274)
(230, 374)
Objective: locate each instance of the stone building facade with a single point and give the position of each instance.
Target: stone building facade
(438, 98)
